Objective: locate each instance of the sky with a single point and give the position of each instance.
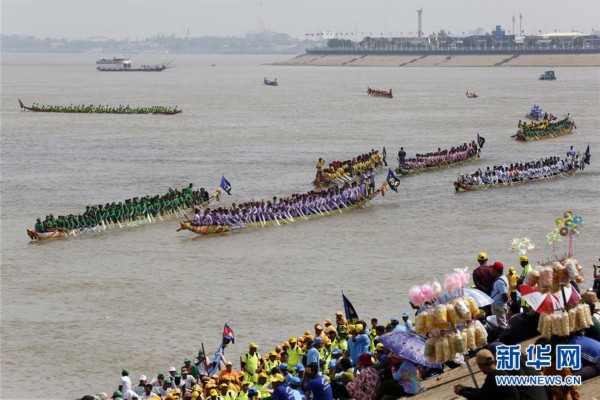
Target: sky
(139, 19)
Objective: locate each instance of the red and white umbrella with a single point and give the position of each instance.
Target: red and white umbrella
(540, 302)
(571, 295)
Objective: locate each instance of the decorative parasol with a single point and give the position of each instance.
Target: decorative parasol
(407, 345)
(540, 302)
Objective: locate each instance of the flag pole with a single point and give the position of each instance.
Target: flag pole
(205, 363)
(472, 374)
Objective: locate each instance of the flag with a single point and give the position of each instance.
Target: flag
(225, 185)
(587, 156)
(228, 333)
(480, 141)
(392, 180)
(351, 314)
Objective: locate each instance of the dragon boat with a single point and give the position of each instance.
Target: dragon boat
(91, 109)
(345, 179)
(527, 132)
(380, 93)
(471, 95)
(412, 171)
(271, 83)
(460, 187)
(215, 229)
(58, 234)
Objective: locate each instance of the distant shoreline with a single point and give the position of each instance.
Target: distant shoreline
(447, 60)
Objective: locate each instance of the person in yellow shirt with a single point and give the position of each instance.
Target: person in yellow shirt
(271, 362)
(294, 352)
(340, 320)
(263, 386)
(252, 363)
(243, 393)
(230, 385)
(225, 393)
(319, 332)
(515, 304)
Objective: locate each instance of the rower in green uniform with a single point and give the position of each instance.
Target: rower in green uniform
(39, 227)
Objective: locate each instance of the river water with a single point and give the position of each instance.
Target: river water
(75, 312)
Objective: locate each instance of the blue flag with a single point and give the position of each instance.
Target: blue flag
(225, 185)
(480, 141)
(351, 314)
(393, 181)
(586, 156)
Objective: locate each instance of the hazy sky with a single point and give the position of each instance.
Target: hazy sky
(143, 18)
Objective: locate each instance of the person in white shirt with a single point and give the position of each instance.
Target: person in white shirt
(140, 388)
(125, 382)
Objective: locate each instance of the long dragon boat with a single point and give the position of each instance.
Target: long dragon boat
(91, 109)
(129, 223)
(460, 187)
(337, 172)
(475, 154)
(380, 93)
(215, 229)
(544, 130)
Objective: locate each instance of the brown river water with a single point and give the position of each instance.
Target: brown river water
(75, 312)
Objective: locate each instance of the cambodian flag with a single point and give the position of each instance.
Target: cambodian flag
(228, 333)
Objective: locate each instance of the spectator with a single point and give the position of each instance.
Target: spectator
(499, 294)
(365, 384)
(483, 277)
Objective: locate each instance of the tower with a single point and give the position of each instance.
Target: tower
(520, 24)
(420, 31)
(513, 31)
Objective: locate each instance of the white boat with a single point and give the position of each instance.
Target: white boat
(124, 64)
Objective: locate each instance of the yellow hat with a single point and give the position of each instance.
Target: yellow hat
(277, 378)
(247, 383)
(251, 345)
(512, 269)
(339, 313)
(327, 321)
(318, 326)
(482, 256)
(351, 328)
(286, 344)
(226, 378)
(309, 337)
(272, 353)
(484, 357)
(358, 327)
(223, 385)
(292, 340)
(213, 392)
(330, 329)
(306, 333)
(241, 373)
(379, 346)
(374, 332)
(263, 375)
(523, 258)
(277, 348)
(228, 363)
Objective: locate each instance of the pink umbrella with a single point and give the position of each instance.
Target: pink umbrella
(540, 302)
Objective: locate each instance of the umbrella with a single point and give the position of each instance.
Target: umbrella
(407, 345)
(540, 302)
(570, 294)
(481, 298)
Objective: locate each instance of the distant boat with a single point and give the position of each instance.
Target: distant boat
(548, 76)
(472, 95)
(380, 93)
(271, 83)
(123, 64)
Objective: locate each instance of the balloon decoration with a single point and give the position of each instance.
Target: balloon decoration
(569, 224)
(522, 245)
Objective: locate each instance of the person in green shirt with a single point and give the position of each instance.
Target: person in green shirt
(251, 363)
(39, 227)
(294, 352)
(271, 362)
(263, 386)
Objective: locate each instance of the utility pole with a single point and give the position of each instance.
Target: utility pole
(420, 14)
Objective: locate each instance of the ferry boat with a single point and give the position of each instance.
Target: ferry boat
(124, 64)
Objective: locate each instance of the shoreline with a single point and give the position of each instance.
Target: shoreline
(491, 60)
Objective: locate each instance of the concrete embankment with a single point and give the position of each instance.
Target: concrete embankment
(492, 60)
